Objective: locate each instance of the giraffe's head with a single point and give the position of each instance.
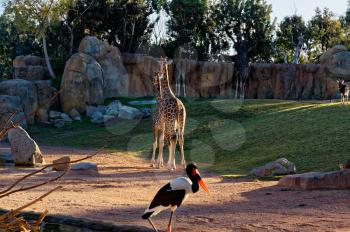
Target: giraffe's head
(164, 63)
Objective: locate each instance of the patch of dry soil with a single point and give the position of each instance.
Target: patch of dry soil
(125, 186)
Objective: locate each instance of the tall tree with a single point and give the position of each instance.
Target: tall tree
(325, 31)
(247, 26)
(291, 37)
(345, 19)
(36, 16)
(12, 44)
(189, 26)
(123, 23)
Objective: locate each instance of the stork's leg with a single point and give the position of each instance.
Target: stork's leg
(181, 144)
(155, 143)
(171, 217)
(155, 229)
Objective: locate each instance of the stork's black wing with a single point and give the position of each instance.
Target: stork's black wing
(168, 197)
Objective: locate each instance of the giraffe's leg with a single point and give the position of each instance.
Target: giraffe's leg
(161, 146)
(155, 143)
(172, 148)
(171, 161)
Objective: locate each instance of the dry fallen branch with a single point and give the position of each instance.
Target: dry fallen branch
(9, 221)
(17, 211)
(8, 191)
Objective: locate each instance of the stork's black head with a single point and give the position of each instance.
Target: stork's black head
(190, 168)
(193, 173)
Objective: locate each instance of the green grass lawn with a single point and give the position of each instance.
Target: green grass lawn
(229, 136)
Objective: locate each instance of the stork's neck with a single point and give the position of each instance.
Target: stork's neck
(195, 185)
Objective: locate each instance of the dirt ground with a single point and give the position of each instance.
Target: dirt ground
(125, 186)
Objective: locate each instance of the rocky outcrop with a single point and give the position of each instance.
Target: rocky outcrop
(26, 91)
(109, 57)
(290, 81)
(318, 180)
(30, 68)
(330, 52)
(279, 167)
(8, 106)
(82, 83)
(59, 119)
(92, 75)
(115, 110)
(45, 93)
(24, 149)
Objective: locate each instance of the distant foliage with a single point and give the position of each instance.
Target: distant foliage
(288, 35)
(324, 31)
(124, 23)
(14, 43)
(242, 31)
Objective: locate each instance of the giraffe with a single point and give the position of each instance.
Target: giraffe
(173, 118)
(157, 124)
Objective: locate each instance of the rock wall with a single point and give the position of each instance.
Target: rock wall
(99, 71)
(31, 87)
(290, 81)
(30, 68)
(201, 79)
(212, 79)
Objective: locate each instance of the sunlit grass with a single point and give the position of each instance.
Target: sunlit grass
(229, 136)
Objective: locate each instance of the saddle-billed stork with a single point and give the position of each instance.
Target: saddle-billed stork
(174, 193)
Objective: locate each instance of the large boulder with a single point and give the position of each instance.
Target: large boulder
(279, 167)
(330, 52)
(109, 57)
(113, 108)
(24, 149)
(317, 180)
(30, 68)
(82, 83)
(127, 112)
(26, 91)
(114, 73)
(8, 106)
(339, 65)
(45, 93)
(91, 46)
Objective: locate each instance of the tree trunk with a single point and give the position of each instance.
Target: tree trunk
(285, 57)
(71, 41)
(298, 49)
(242, 70)
(47, 59)
(132, 36)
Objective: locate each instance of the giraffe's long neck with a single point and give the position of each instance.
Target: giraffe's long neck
(157, 92)
(165, 87)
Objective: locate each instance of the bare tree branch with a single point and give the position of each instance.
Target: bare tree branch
(5, 192)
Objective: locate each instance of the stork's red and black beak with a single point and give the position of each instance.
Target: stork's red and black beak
(195, 172)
